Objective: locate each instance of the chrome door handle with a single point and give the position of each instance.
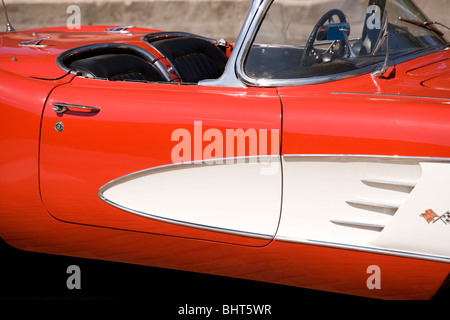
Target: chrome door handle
(63, 107)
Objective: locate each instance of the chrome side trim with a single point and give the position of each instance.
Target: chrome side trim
(353, 156)
(391, 183)
(357, 224)
(261, 82)
(373, 250)
(185, 224)
(373, 203)
(388, 95)
(173, 166)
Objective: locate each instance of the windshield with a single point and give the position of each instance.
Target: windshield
(300, 39)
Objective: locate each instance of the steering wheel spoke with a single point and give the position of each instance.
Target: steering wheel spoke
(310, 53)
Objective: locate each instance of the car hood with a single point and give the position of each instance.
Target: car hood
(427, 76)
(33, 53)
(441, 82)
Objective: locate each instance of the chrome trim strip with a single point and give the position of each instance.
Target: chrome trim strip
(166, 35)
(185, 224)
(261, 82)
(383, 157)
(229, 77)
(221, 161)
(162, 68)
(147, 39)
(388, 95)
(373, 250)
(357, 224)
(248, 41)
(372, 203)
(391, 183)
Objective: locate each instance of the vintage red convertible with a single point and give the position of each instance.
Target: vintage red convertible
(313, 151)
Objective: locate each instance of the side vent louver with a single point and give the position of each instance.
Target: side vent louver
(380, 208)
(361, 225)
(407, 184)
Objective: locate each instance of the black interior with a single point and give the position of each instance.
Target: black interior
(117, 67)
(192, 59)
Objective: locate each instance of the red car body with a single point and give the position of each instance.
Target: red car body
(50, 177)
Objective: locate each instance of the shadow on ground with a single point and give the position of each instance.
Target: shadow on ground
(26, 276)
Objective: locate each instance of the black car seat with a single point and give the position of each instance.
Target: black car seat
(117, 67)
(193, 59)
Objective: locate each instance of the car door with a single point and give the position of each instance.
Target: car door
(379, 163)
(179, 160)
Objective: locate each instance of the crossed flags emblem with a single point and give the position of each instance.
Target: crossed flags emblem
(431, 217)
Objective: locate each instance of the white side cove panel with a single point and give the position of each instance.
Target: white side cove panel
(430, 199)
(374, 203)
(239, 196)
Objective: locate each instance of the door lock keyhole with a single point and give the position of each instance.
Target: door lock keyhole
(59, 126)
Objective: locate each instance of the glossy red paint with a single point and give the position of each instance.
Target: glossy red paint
(402, 116)
(440, 82)
(133, 132)
(314, 267)
(42, 171)
(39, 62)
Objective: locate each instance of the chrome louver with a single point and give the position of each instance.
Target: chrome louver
(381, 208)
(369, 203)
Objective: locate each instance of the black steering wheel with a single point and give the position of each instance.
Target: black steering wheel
(309, 48)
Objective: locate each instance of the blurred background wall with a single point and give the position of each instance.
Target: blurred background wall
(196, 16)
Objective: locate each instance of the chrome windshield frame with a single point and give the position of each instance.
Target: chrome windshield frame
(230, 78)
(235, 76)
